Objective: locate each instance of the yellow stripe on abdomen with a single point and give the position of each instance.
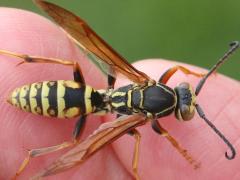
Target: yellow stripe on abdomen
(45, 98)
(60, 99)
(35, 109)
(87, 98)
(24, 98)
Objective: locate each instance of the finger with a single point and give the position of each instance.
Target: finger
(220, 100)
(28, 33)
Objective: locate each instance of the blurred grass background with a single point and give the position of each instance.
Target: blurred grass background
(195, 32)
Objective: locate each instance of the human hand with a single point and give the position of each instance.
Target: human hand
(27, 33)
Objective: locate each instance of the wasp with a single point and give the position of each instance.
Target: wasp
(143, 101)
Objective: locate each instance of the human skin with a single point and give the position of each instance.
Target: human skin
(28, 33)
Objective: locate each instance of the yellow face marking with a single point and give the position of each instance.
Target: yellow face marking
(87, 98)
(193, 102)
(72, 84)
(32, 98)
(60, 99)
(72, 112)
(45, 101)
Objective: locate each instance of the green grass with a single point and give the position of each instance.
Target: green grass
(195, 32)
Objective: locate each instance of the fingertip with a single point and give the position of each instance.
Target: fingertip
(21, 29)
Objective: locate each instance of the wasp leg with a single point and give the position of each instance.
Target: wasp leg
(168, 74)
(111, 82)
(77, 73)
(79, 126)
(160, 130)
(42, 151)
(137, 137)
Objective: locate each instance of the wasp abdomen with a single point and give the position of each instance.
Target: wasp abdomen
(62, 98)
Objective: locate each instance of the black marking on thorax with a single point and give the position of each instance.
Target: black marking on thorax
(158, 98)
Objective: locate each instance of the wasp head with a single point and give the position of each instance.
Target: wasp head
(186, 100)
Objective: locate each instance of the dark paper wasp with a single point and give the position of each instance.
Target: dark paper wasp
(143, 101)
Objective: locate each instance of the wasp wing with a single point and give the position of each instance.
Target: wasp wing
(105, 134)
(84, 36)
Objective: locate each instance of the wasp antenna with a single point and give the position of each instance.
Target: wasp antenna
(203, 116)
(233, 47)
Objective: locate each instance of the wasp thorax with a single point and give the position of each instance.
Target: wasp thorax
(186, 100)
